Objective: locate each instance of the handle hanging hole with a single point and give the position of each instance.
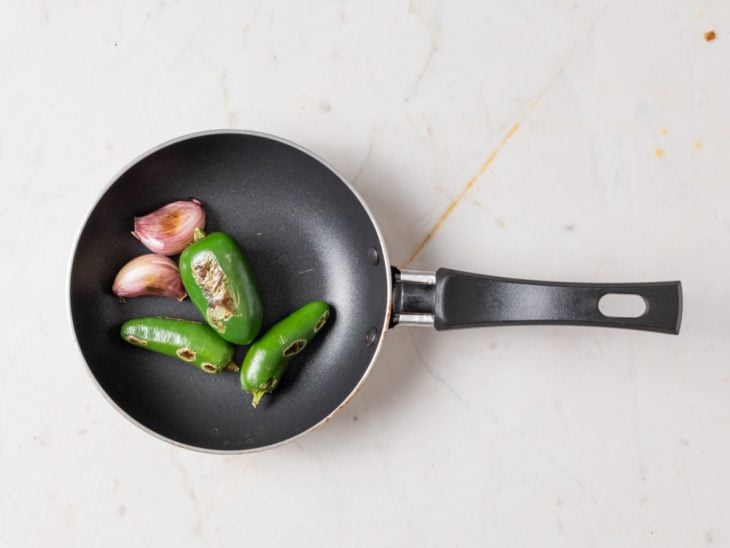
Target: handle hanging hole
(622, 305)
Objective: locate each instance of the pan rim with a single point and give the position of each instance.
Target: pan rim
(384, 258)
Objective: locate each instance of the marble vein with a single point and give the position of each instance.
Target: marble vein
(368, 155)
(507, 137)
(231, 487)
(433, 49)
(438, 378)
(187, 480)
(464, 191)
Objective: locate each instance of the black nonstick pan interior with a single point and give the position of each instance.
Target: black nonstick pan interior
(307, 236)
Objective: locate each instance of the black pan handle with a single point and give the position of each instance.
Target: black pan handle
(453, 299)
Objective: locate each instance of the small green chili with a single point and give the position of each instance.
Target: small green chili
(219, 281)
(267, 359)
(191, 342)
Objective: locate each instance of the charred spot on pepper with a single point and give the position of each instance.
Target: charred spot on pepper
(214, 284)
(135, 340)
(208, 367)
(294, 348)
(322, 320)
(269, 385)
(186, 354)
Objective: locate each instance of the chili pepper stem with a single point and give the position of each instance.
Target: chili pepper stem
(198, 234)
(232, 366)
(257, 395)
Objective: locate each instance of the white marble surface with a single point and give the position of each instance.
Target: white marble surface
(617, 171)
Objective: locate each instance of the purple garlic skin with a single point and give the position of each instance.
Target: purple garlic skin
(150, 274)
(170, 229)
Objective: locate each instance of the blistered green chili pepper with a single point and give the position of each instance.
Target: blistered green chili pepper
(268, 358)
(219, 281)
(192, 342)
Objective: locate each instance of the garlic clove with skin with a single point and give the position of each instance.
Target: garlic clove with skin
(150, 274)
(169, 229)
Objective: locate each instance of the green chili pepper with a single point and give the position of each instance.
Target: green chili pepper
(268, 358)
(220, 283)
(192, 342)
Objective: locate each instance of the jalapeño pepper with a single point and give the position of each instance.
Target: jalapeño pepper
(192, 342)
(219, 281)
(267, 359)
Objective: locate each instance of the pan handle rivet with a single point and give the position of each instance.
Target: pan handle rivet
(370, 336)
(373, 256)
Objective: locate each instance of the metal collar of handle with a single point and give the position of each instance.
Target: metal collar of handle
(413, 298)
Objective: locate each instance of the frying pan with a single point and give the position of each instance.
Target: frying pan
(308, 236)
